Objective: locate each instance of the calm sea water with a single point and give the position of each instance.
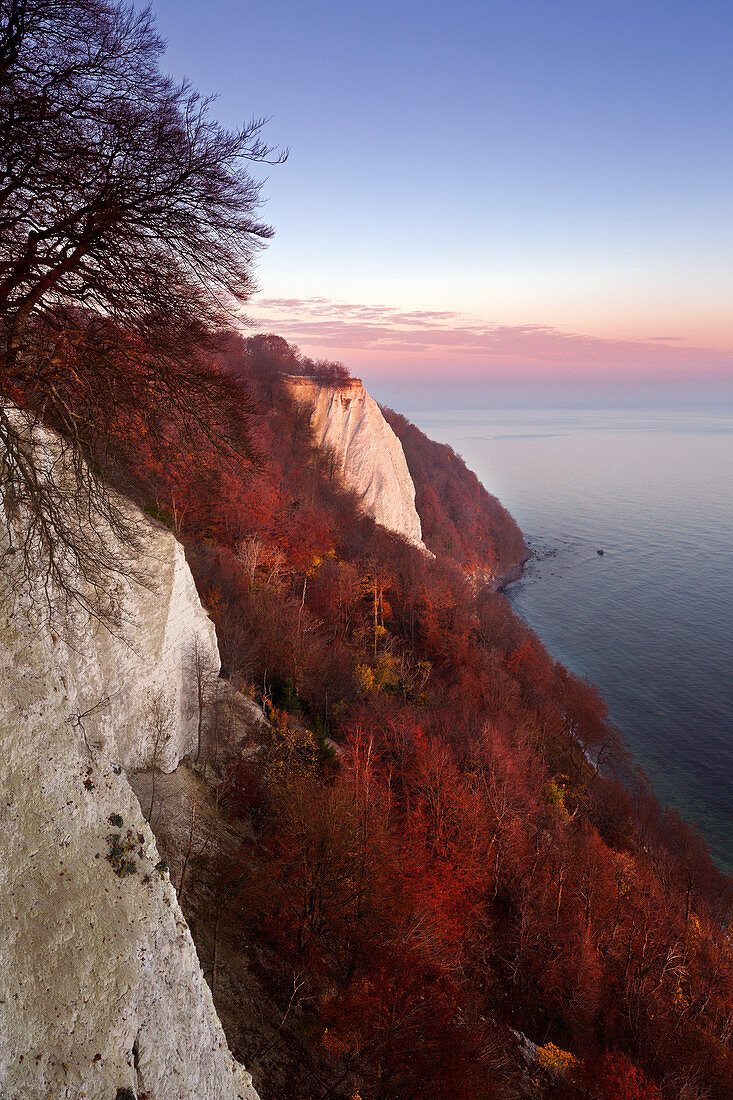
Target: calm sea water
(650, 622)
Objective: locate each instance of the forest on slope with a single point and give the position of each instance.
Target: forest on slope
(448, 846)
(459, 517)
(449, 875)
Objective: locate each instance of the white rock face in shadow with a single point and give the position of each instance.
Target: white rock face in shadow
(100, 985)
(346, 420)
(167, 635)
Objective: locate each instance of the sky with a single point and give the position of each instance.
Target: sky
(488, 198)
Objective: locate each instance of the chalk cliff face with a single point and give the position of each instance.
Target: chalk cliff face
(100, 985)
(348, 422)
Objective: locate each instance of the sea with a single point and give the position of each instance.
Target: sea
(649, 621)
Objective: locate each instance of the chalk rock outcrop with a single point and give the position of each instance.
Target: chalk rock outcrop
(100, 986)
(346, 420)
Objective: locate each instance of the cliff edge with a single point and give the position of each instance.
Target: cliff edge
(348, 422)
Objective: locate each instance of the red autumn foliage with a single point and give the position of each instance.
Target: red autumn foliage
(617, 1078)
(465, 872)
(459, 517)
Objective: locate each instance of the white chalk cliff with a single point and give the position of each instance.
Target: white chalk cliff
(100, 986)
(346, 420)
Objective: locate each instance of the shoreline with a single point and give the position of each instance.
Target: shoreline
(703, 819)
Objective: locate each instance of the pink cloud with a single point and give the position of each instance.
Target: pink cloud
(448, 340)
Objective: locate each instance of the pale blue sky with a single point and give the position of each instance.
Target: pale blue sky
(557, 164)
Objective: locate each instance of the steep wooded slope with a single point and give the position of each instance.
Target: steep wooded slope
(459, 517)
(443, 841)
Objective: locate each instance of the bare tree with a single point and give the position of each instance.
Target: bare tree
(187, 857)
(65, 536)
(160, 728)
(204, 675)
(250, 553)
(128, 227)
